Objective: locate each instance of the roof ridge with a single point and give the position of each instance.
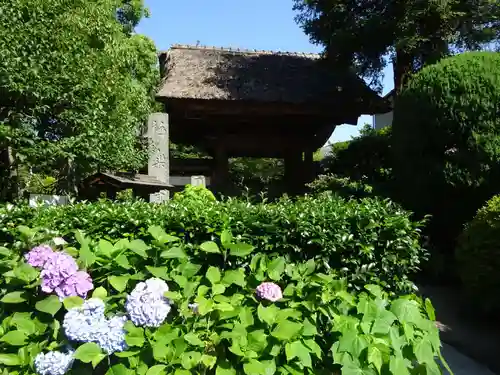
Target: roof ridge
(241, 50)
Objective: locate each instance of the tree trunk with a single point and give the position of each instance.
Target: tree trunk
(403, 68)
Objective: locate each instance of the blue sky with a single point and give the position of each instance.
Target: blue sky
(256, 24)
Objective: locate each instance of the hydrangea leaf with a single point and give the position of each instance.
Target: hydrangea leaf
(119, 283)
(175, 252)
(236, 277)
(156, 370)
(286, 330)
(71, 302)
(50, 305)
(13, 297)
(14, 338)
(10, 359)
(87, 352)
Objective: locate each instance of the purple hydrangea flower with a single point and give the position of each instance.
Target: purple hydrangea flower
(194, 308)
(53, 363)
(56, 269)
(78, 284)
(146, 305)
(39, 255)
(269, 291)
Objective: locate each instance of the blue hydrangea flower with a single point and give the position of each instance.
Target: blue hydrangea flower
(53, 363)
(87, 323)
(146, 305)
(111, 336)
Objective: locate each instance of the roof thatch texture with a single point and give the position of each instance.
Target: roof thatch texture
(190, 72)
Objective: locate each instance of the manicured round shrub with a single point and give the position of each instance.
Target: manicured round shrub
(446, 141)
(478, 256)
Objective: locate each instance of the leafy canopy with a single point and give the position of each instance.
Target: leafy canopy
(76, 84)
(412, 33)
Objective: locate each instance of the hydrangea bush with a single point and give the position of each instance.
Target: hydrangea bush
(153, 310)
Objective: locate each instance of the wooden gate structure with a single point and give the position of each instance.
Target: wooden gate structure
(248, 103)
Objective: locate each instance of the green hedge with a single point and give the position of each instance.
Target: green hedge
(211, 321)
(369, 241)
(446, 133)
(478, 257)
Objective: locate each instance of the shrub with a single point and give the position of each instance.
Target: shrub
(365, 158)
(478, 255)
(446, 134)
(343, 186)
(369, 241)
(156, 311)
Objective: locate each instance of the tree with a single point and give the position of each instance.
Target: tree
(409, 33)
(76, 85)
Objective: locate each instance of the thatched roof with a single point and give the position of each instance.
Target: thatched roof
(192, 72)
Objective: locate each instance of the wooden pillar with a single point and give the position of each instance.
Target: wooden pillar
(308, 166)
(293, 171)
(220, 175)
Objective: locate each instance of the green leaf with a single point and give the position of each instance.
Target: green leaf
(10, 359)
(50, 305)
(383, 322)
(87, 352)
(119, 369)
(14, 338)
(13, 297)
(122, 261)
(375, 290)
(160, 235)
(119, 283)
(86, 256)
(226, 238)
(213, 275)
(182, 372)
(236, 277)
(26, 273)
(4, 252)
(139, 247)
(209, 247)
(313, 347)
(407, 311)
(398, 366)
(297, 349)
(156, 370)
(160, 272)
(135, 335)
(309, 328)
(353, 342)
(100, 293)
(193, 339)
(253, 367)
(190, 359)
(105, 248)
(240, 249)
(224, 368)
(71, 302)
(257, 341)
(286, 330)
(267, 314)
(208, 360)
(23, 322)
(174, 253)
(375, 357)
(276, 268)
(431, 313)
(423, 351)
(218, 289)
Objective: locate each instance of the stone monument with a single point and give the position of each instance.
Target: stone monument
(158, 165)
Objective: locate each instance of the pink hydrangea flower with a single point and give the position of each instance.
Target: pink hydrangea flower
(56, 269)
(39, 255)
(269, 291)
(78, 284)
